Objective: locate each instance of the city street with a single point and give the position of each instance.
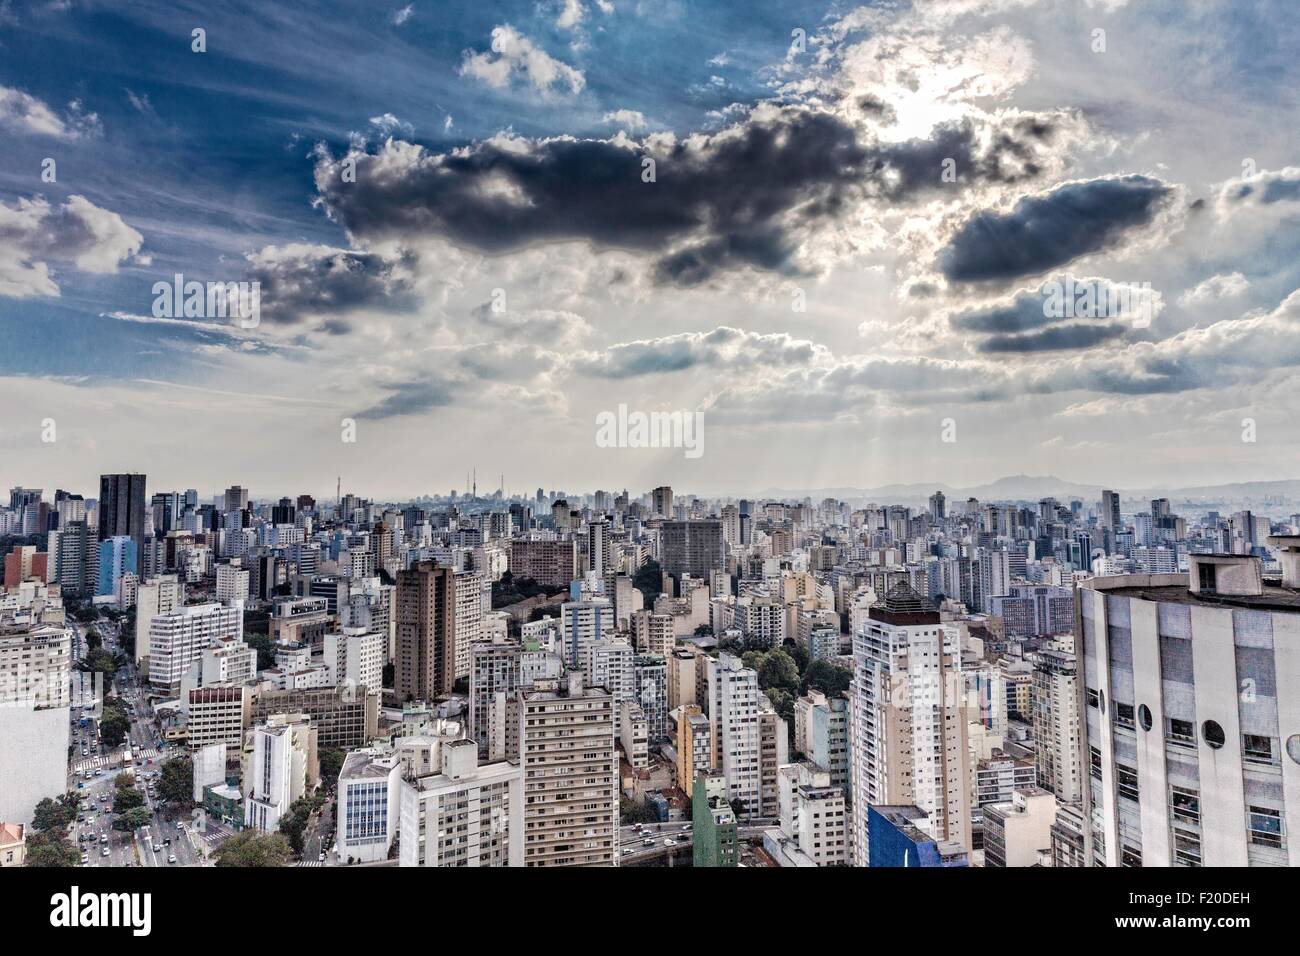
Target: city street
(104, 765)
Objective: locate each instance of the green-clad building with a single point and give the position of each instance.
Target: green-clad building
(713, 823)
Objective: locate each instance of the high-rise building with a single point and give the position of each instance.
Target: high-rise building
(74, 558)
(907, 725)
(369, 795)
(570, 772)
(661, 501)
(813, 828)
(466, 814)
(1056, 724)
(734, 727)
(714, 836)
(162, 595)
(122, 507)
(117, 557)
(178, 639)
(35, 700)
(1190, 714)
(283, 767)
(694, 547)
(426, 632)
(1110, 518)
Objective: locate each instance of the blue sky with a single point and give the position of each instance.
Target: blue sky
(500, 148)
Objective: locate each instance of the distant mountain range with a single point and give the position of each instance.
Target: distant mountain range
(1032, 488)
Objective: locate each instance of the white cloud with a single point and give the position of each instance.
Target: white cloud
(404, 14)
(33, 232)
(631, 120)
(23, 113)
(1214, 288)
(514, 55)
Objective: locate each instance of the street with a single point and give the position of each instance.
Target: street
(94, 769)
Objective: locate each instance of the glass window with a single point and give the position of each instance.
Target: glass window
(1265, 825)
(1258, 749)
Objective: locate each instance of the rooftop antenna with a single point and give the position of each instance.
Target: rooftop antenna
(476, 482)
(338, 493)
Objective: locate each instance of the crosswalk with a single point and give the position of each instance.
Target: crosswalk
(311, 863)
(104, 761)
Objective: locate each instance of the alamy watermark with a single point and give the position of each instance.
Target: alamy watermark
(624, 429)
(213, 300)
(1090, 299)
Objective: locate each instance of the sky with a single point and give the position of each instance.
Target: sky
(926, 241)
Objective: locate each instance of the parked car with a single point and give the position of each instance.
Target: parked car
(171, 858)
(104, 852)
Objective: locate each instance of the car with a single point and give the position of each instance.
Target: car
(85, 858)
(627, 850)
(157, 847)
(99, 773)
(85, 752)
(104, 852)
(180, 825)
(670, 842)
(89, 775)
(648, 842)
(171, 858)
(322, 858)
(167, 842)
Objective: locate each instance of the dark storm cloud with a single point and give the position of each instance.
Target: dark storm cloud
(1032, 309)
(1050, 230)
(413, 397)
(745, 196)
(299, 282)
(1073, 336)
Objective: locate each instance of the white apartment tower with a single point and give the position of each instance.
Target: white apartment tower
(733, 721)
(179, 638)
(907, 724)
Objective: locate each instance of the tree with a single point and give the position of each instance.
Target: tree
(176, 781)
(132, 819)
(649, 580)
(783, 701)
(51, 849)
(831, 679)
(331, 764)
(124, 780)
(630, 812)
(798, 652)
(252, 848)
(265, 648)
(294, 823)
(704, 630)
(127, 799)
(54, 815)
(101, 661)
(113, 727)
(778, 670)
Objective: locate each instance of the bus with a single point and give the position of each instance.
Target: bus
(126, 757)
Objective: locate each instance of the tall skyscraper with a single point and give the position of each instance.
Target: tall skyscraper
(661, 501)
(694, 547)
(426, 632)
(1056, 724)
(907, 727)
(121, 505)
(1110, 519)
(570, 771)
